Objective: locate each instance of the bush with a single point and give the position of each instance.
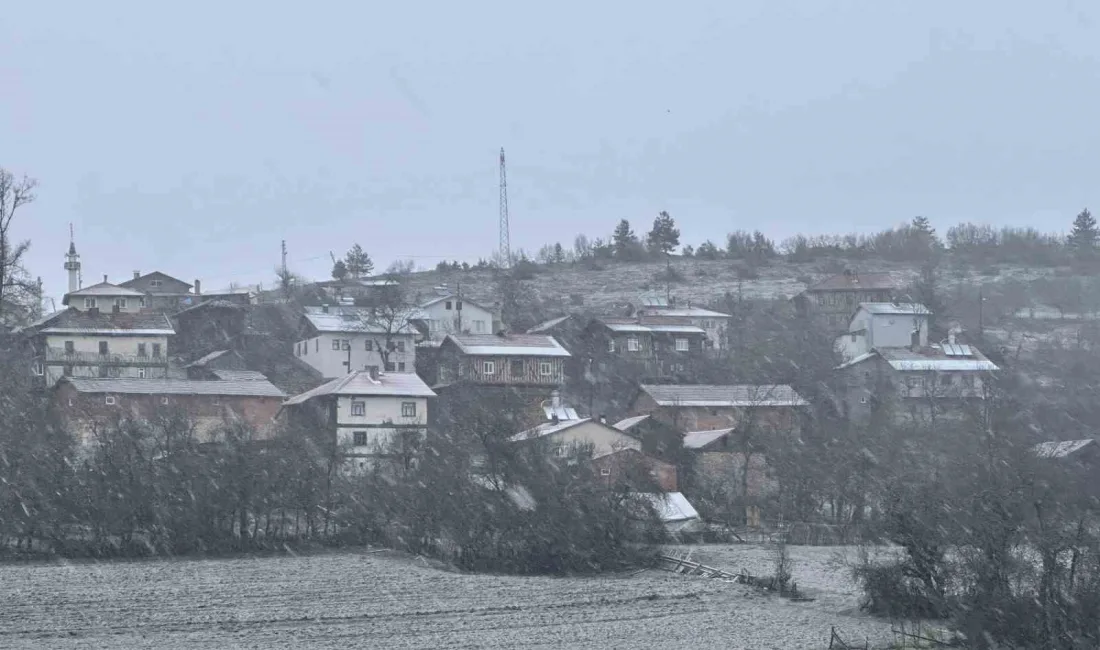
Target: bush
(891, 591)
(669, 274)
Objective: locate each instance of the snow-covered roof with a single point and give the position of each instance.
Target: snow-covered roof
(685, 312)
(214, 387)
(360, 383)
(858, 359)
(547, 429)
(78, 323)
(895, 308)
(238, 375)
(550, 324)
(671, 506)
(1063, 449)
(350, 320)
(102, 289)
(629, 423)
(640, 328)
(202, 361)
(515, 345)
(744, 395)
(934, 359)
(700, 439)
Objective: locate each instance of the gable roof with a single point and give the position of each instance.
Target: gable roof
(349, 320)
(238, 375)
(855, 282)
(549, 324)
(134, 281)
(550, 428)
(450, 296)
(629, 423)
(526, 345)
(684, 312)
(743, 395)
(360, 383)
(202, 361)
(700, 439)
(103, 289)
(126, 386)
(211, 304)
(895, 308)
(74, 321)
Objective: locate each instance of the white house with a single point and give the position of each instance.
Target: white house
(371, 416)
(451, 314)
(103, 332)
(714, 323)
(337, 340)
(884, 325)
(564, 434)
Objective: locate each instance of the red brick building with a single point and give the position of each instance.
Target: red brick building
(87, 405)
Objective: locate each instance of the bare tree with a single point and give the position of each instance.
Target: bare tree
(15, 284)
(389, 314)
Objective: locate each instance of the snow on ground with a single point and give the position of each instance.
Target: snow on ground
(387, 600)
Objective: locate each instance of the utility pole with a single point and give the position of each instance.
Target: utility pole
(505, 236)
(981, 312)
(285, 280)
(284, 258)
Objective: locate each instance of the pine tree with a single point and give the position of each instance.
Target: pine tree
(358, 262)
(1083, 238)
(665, 236)
(339, 270)
(624, 239)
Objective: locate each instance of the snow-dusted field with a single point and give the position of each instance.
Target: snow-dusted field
(387, 600)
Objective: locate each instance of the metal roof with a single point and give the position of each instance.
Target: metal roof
(74, 321)
(132, 281)
(550, 324)
(895, 308)
(562, 412)
(202, 361)
(360, 383)
(104, 289)
(349, 320)
(671, 506)
(934, 359)
(700, 439)
(686, 312)
(515, 345)
(743, 395)
(547, 429)
(262, 388)
(629, 423)
(1056, 449)
(638, 328)
(238, 375)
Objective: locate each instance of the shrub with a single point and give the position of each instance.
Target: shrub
(669, 274)
(891, 591)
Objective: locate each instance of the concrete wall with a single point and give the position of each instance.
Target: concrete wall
(603, 439)
(319, 353)
(470, 319)
(383, 421)
(86, 360)
(627, 466)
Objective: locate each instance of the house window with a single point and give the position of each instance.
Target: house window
(155, 283)
(448, 305)
(335, 344)
(408, 409)
(141, 301)
(368, 345)
(401, 366)
(458, 305)
(479, 326)
(156, 349)
(69, 347)
(141, 349)
(611, 345)
(141, 373)
(632, 344)
(605, 471)
(109, 400)
(120, 303)
(912, 382)
(681, 345)
(853, 337)
(103, 348)
(164, 401)
(305, 348)
(400, 346)
(489, 367)
(38, 369)
(89, 303)
(359, 408)
(545, 368)
(517, 368)
(390, 367)
(359, 439)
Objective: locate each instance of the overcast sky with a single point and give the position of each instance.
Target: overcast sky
(193, 138)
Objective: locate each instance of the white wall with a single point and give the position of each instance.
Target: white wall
(885, 331)
(105, 304)
(849, 346)
(378, 411)
(603, 439)
(445, 321)
(318, 353)
(86, 349)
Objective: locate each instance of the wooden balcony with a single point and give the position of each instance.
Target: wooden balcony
(59, 357)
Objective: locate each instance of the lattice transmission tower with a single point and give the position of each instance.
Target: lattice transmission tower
(505, 237)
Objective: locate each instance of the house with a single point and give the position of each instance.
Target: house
(367, 415)
(87, 405)
(884, 325)
(659, 345)
(355, 289)
(449, 313)
(719, 467)
(633, 467)
(164, 292)
(832, 301)
(210, 324)
(674, 510)
(104, 332)
(771, 407)
(568, 434)
(340, 339)
(714, 324)
(517, 360)
(922, 381)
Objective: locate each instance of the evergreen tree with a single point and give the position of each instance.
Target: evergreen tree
(665, 236)
(339, 270)
(358, 262)
(1083, 238)
(624, 240)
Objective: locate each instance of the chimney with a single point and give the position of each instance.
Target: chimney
(951, 337)
(198, 287)
(555, 399)
(104, 278)
(137, 274)
(554, 419)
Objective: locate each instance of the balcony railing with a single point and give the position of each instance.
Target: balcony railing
(60, 356)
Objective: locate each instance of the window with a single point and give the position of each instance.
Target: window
(912, 382)
(141, 373)
(103, 348)
(359, 408)
(335, 344)
(368, 345)
(156, 349)
(69, 347)
(67, 371)
(110, 400)
(141, 301)
(359, 438)
(120, 303)
(305, 348)
(447, 306)
(517, 368)
(141, 349)
(38, 369)
(611, 345)
(605, 471)
(458, 305)
(401, 366)
(853, 337)
(408, 409)
(390, 367)
(155, 283)
(489, 367)
(545, 368)
(632, 344)
(89, 303)
(400, 346)
(479, 326)
(681, 345)
(164, 401)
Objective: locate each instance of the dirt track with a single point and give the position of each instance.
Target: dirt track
(384, 600)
